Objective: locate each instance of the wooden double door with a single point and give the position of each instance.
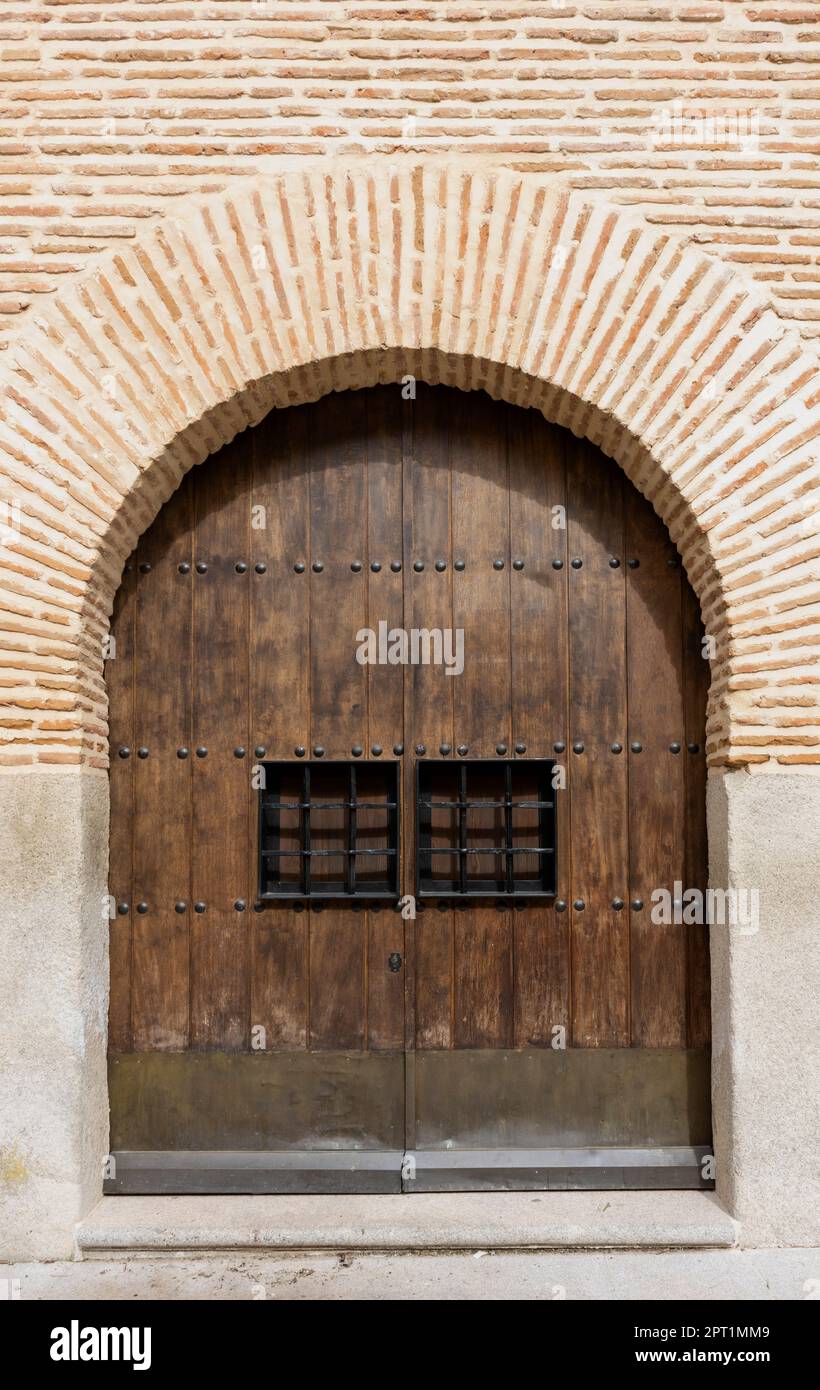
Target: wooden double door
(503, 1011)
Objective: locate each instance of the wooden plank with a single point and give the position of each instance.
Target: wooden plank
(695, 691)
(385, 690)
(539, 677)
(280, 695)
(280, 597)
(278, 983)
(538, 612)
(598, 777)
(385, 585)
(483, 954)
(162, 781)
(220, 936)
(337, 434)
(337, 441)
(385, 1008)
(428, 690)
(481, 597)
(656, 776)
(119, 673)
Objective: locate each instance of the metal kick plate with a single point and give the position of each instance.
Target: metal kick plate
(168, 1101)
(483, 1120)
(243, 1172)
(550, 1170)
(363, 1171)
(538, 1098)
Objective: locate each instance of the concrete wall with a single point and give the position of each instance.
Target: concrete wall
(764, 832)
(53, 1006)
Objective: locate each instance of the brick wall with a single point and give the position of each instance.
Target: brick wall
(702, 117)
(340, 276)
(211, 207)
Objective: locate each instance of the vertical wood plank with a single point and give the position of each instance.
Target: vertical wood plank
(538, 601)
(385, 688)
(484, 988)
(280, 696)
(656, 776)
(428, 690)
(220, 935)
(384, 925)
(337, 435)
(597, 645)
(481, 606)
(539, 687)
(385, 586)
(280, 597)
(162, 781)
(695, 691)
(337, 439)
(119, 674)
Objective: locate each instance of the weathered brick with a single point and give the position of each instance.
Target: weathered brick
(116, 120)
(621, 346)
(301, 63)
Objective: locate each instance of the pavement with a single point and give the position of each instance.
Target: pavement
(480, 1275)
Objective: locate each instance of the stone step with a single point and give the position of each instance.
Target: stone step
(447, 1221)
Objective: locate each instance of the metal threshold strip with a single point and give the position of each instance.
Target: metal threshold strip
(352, 1171)
(555, 1169)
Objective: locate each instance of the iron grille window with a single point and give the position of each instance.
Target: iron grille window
(329, 830)
(485, 829)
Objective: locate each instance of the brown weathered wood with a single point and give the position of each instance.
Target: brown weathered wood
(119, 672)
(483, 952)
(596, 655)
(162, 781)
(385, 689)
(279, 598)
(384, 926)
(280, 698)
(382, 447)
(695, 690)
(220, 936)
(428, 690)
(539, 677)
(337, 432)
(656, 776)
(597, 702)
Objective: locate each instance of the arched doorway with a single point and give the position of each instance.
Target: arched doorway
(283, 772)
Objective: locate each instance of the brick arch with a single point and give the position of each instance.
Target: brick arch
(287, 287)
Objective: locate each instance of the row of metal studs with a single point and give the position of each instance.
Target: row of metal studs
(356, 565)
(398, 748)
(560, 905)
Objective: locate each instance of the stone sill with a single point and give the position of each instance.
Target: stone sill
(460, 1221)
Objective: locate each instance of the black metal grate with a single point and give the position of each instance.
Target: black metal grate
(485, 828)
(329, 830)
